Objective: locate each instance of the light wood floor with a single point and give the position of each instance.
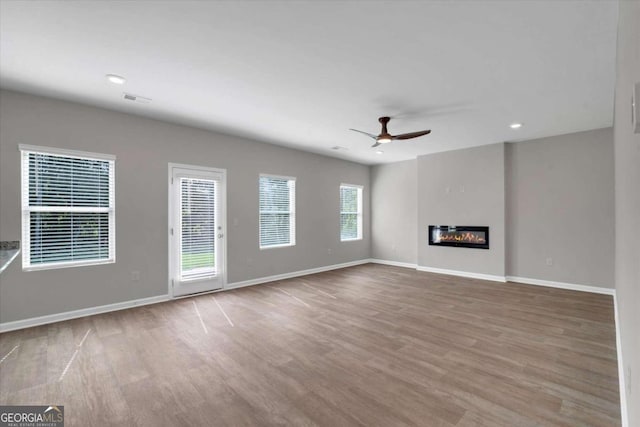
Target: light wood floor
(370, 345)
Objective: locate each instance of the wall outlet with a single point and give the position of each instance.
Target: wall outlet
(135, 276)
(549, 261)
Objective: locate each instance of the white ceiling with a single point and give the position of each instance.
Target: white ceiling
(301, 73)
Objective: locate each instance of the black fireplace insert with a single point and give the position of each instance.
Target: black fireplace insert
(462, 236)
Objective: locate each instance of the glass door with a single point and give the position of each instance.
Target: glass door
(196, 229)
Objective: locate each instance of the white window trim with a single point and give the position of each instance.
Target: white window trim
(26, 209)
(359, 214)
(65, 152)
(292, 212)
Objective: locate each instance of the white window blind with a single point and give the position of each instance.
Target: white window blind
(350, 212)
(198, 228)
(68, 208)
(277, 211)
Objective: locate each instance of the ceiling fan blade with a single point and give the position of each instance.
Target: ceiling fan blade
(412, 134)
(376, 144)
(370, 135)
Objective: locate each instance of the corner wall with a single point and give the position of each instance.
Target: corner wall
(627, 204)
(143, 148)
(394, 212)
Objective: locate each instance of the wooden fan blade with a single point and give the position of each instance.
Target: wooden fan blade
(365, 133)
(376, 144)
(412, 134)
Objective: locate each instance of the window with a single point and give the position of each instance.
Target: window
(350, 212)
(277, 211)
(68, 216)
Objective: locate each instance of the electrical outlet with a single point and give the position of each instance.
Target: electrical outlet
(549, 261)
(135, 276)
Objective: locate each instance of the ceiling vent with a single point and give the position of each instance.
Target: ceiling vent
(136, 98)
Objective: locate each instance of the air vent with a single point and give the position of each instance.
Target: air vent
(136, 98)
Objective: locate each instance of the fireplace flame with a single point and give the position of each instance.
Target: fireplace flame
(466, 236)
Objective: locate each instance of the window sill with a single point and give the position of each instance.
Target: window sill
(288, 245)
(351, 240)
(57, 266)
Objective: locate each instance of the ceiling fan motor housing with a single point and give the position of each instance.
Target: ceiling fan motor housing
(384, 136)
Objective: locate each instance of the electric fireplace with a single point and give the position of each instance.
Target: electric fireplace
(462, 236)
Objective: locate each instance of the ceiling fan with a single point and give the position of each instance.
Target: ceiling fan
(385, 137)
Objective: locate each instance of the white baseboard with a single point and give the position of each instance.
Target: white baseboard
(68, 315)
(561, 285)
(293, 274)
(624, 414)
(462, 273)
(394, 263)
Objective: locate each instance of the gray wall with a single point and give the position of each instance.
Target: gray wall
(144, 147)
(394, 211)
(551, 191)
(560, 206)
(463, 187)
(627, 179)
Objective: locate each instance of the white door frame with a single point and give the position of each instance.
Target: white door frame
(170, 235)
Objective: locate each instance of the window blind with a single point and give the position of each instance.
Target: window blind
(277, 211)
(68, 209)
(198, 228)
(350, 212)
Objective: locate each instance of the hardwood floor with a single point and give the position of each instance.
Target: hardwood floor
(370, 345)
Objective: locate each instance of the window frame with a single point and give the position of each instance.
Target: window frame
(292, 213)
(359, 213)
(26, 209)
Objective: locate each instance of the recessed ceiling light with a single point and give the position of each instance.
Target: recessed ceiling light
(115, 79)
(515, 125)
(379, 152)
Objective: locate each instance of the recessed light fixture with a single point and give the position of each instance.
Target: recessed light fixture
(515, 125)
(379, 152)
(115, 79)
